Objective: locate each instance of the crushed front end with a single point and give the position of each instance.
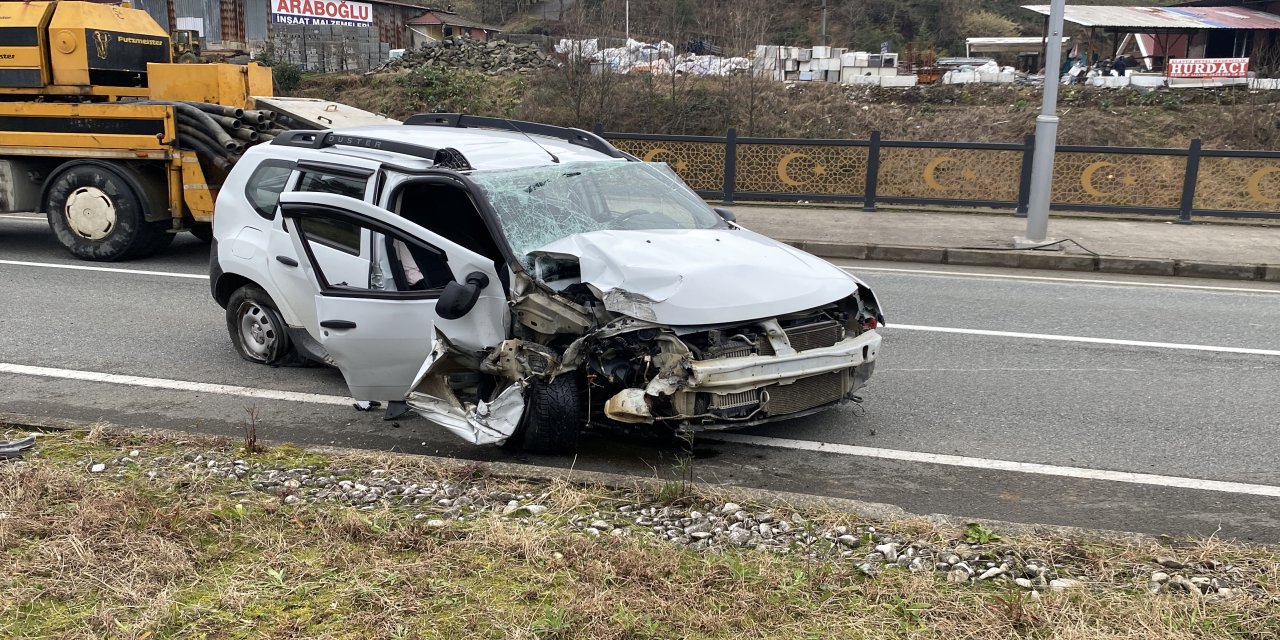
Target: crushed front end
(732, 376)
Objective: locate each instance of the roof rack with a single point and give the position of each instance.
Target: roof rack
(446, 157)
(572, 136)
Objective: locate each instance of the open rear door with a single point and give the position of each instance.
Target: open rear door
(377, 330)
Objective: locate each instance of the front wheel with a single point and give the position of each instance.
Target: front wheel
(98, 213)
(256, 328)
(553, 415)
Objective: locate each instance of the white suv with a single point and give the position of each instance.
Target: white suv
(517, 281)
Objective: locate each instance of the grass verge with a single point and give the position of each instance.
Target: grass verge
(196, 539)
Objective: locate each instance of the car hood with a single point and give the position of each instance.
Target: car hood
(698, 277)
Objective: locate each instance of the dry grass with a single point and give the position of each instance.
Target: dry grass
(101, 556)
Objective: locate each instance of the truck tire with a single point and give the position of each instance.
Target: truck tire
(98, 213)
(552, 415)
(257, 329)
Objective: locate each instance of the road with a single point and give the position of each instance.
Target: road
(1127, 403)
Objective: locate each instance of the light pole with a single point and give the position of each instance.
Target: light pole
(824, 23)
(1046, 136)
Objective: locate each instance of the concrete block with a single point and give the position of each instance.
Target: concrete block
(898, 253)
(847, 250)
(1021, 259)
(1224, 270)
(1142, 266)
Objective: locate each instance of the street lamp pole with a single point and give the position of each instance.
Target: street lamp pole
(1046, 136)
(824, 23)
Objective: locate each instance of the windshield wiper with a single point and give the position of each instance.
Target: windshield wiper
(538, 185)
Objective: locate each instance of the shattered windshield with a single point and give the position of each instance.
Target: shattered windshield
(540, 205)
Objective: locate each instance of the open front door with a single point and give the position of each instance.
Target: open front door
(376, 281)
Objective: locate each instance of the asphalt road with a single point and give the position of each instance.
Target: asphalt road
(1056, 417)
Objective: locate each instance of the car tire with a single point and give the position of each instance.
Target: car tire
(257, 329)
(203, 231)
(552, 415)
(98, 213)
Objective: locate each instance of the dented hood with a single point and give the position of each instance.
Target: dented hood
(697, 277)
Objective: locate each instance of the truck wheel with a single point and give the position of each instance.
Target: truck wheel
(552, 415)
(98, 214)
(257, 330)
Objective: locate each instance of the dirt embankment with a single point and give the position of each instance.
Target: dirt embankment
(1223, 119)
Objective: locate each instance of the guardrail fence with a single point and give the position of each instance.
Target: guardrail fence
(1177, 182)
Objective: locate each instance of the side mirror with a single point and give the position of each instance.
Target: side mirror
(726, 214)
(457, 300)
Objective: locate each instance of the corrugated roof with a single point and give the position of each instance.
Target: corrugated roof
(451, 19)
(1166, 17)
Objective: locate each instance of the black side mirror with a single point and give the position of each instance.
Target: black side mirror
(457, 299)
(726, 214)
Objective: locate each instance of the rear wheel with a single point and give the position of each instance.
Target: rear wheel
(98, 213)
(552, 415)
(256, 328)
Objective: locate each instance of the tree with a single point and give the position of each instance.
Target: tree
(985, 24)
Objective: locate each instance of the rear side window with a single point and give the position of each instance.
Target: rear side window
(330, 183)
(264, 186)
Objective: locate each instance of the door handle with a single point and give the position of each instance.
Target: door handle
(287, 261)
(337, 324)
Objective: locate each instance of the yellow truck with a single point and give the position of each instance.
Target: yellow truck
(120, 147)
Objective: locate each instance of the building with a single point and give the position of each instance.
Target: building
(317, 35)
(435, 25)
(1153, 35)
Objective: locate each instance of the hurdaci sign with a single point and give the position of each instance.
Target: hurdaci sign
(1208, 68)
(322, 12)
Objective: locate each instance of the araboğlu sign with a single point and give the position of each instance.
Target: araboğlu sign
(322, 12)
(1208, 67)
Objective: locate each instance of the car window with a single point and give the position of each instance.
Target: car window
(321, 182)
(388, 262)
(539, 205)
(336, 234)
(264, 186)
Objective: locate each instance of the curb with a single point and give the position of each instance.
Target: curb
(766, 497)
(1032, 259)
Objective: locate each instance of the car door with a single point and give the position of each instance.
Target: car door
(376, 332)
(283, 263)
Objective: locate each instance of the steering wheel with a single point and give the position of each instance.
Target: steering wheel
(627, 215)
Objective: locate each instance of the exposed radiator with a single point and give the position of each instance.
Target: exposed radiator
(809, 336)
(806, 393)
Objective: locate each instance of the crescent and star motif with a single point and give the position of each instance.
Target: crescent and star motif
(930, 173)
(784, 173)
(1086, 179)
(679, 165)
(1255, 185)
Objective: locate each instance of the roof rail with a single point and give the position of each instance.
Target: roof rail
(570, 135)
(322, 139)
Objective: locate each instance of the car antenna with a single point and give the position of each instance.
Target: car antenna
(517, 128)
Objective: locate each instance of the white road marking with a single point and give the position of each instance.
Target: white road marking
(934, 273)
(783, 443)
(24, 218)
(1111, 341)
(82, 267)
(1002, 465)
(172, 385)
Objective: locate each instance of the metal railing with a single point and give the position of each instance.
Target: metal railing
(1176, 182)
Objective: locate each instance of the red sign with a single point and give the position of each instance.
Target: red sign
(1208, 68)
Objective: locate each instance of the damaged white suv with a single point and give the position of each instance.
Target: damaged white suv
(516, 281)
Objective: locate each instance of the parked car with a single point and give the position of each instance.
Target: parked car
(516, 281)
